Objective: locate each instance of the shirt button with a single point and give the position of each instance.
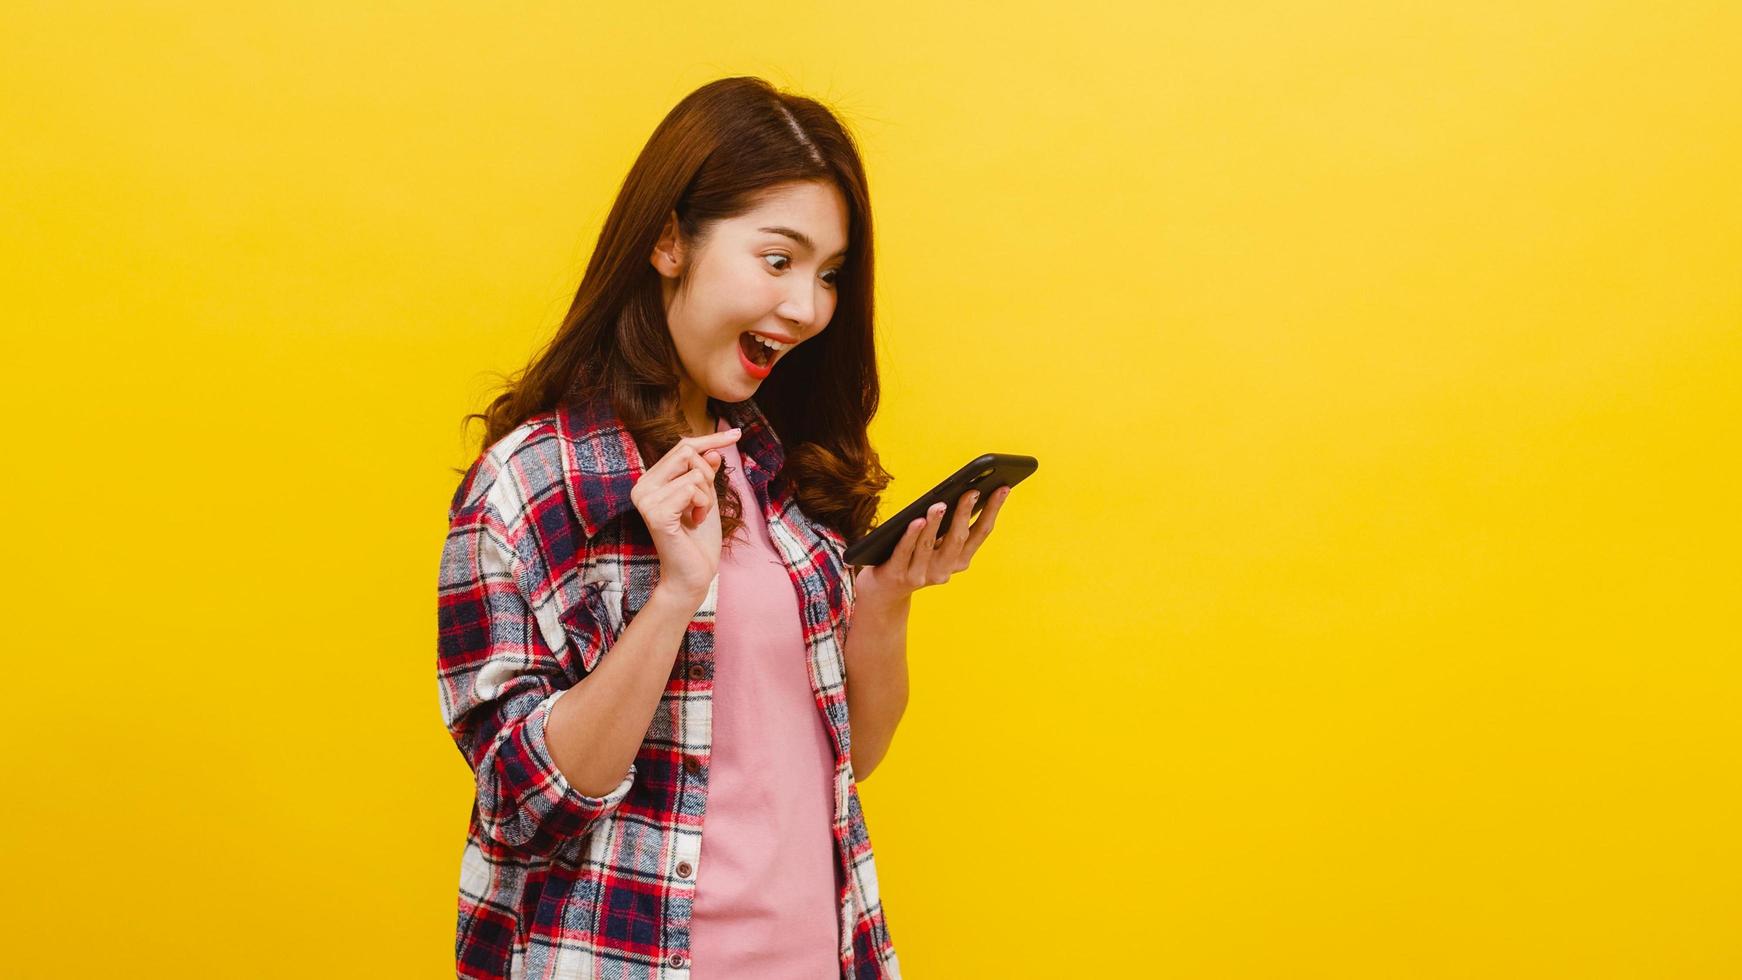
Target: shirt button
(692, 765)
(676, 959)
(683, 869)
(697, 672)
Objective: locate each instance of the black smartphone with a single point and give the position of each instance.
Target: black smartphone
(984, 473)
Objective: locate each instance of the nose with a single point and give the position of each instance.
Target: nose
(799, 309)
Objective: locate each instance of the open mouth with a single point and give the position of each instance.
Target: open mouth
(758, 352)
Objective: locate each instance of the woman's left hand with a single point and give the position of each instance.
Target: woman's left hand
(923, 557)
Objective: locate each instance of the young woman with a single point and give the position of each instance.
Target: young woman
(650, 667)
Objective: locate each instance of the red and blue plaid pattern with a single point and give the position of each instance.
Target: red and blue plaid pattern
(546, 561)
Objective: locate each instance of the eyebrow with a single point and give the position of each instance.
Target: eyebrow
(798, 236)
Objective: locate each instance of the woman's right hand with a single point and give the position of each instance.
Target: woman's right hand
(676, 498)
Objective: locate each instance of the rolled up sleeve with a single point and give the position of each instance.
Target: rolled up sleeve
(499, 680)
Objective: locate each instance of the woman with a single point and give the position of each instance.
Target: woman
(633, 654)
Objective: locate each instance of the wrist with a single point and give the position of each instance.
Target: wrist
(675, 601)
(879, 601)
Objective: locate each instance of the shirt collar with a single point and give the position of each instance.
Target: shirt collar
(601, 463)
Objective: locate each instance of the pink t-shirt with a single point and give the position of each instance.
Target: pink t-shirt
(767, 880)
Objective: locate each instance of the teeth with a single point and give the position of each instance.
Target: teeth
(773, 345)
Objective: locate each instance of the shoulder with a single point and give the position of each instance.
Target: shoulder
(510, 520)
(510, 479)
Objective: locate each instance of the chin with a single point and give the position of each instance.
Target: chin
(730, 395)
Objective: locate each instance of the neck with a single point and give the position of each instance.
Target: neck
(695, 410)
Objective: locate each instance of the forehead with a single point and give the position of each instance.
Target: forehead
(815, 209)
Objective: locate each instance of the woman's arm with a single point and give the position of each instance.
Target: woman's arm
(876, 657)
(881, 597)
(506, 696)
(597, 727)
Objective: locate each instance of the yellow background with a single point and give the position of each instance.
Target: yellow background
(1371, 614)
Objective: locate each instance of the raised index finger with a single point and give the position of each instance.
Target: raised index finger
(668, 466)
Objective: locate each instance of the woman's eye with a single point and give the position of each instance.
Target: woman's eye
(832, 274)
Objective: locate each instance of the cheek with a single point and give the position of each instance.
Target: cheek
(754, 293)
(736, 296)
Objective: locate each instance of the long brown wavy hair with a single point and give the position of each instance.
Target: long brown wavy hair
(709, 159)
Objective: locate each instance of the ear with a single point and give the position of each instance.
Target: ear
(668, 254)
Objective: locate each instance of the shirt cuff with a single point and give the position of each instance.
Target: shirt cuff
(557, 807)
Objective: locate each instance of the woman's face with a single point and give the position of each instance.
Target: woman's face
(770, 271)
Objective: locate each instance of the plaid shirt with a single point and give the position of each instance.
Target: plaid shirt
(546, 561)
